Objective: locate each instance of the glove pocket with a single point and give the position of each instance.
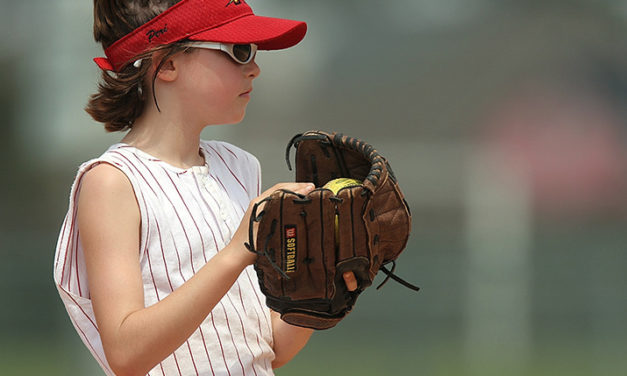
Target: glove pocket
(308, 246)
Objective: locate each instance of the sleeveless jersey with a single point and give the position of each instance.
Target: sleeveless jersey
(187, 216)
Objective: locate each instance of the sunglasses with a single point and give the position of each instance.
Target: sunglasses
(241, 53)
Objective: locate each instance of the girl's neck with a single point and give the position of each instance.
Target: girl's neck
(170, 141)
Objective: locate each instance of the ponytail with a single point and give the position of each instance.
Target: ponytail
(121, 96)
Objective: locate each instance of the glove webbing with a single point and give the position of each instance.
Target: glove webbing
(351, 143)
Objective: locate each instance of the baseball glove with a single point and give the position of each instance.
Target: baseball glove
(303, 255)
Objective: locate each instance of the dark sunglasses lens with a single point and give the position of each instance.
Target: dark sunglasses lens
(242, 52)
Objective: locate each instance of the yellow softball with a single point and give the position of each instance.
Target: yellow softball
(335, 185)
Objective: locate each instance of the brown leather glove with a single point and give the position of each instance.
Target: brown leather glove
(301, 262)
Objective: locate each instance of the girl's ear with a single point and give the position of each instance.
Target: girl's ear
(167, 71)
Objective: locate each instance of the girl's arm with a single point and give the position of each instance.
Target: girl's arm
(136, 338)
(288, 340)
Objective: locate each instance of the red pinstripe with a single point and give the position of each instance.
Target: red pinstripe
(61, 236)
(250, 280)
(241, 207)
(213, 323)
(161, 366)
(75, 254)
(202, 336)
(178, 257)
(81, 308)
(258, 298)
(86, 339)
(228, 325)
(174, 208)
(210, 210)
(219, 182)
(229, 150)
(239, 289)
(191, 216)
(177, 215)
(191, 354)
(252, 355)
(136, 168)
(228, 168)
(176, 361)
(69, 242)
(68, 252)
(265, 317)
(147, 253)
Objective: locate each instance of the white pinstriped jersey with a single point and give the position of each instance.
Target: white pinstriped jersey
(187, 216)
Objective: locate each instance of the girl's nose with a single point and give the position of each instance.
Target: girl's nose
(252, 69)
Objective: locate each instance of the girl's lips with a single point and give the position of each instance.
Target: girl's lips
(246, 93)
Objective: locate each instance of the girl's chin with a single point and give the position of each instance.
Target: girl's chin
(232, 119)
(236, 119)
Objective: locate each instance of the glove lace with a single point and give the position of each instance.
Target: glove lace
(250, 245)
(390, 274)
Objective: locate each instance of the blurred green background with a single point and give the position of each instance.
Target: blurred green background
(505, 122)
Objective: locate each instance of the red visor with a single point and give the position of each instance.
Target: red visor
(226, 21)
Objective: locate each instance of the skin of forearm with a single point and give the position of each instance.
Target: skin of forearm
(288, 340)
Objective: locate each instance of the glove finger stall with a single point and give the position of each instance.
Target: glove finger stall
(302, 246)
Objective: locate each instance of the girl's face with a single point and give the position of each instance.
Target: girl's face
(214, 88)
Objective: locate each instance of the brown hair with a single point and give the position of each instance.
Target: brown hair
(121, 96)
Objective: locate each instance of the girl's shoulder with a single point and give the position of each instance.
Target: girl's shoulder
(106, 158)
(112, 155)
(116, 167)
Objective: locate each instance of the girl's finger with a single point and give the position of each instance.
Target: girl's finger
(350, 280)
(302, 188)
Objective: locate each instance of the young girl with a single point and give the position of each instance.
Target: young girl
(151, 263)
